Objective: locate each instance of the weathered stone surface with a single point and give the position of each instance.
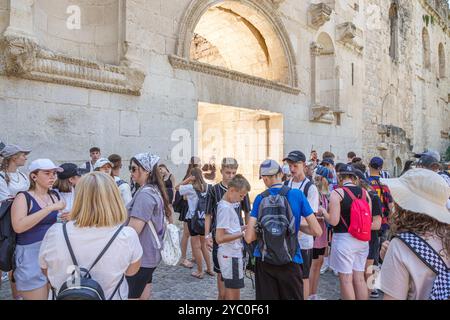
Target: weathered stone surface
(133, 58)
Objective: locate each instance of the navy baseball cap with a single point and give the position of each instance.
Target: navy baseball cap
(295, 156)
(327, 161)
(376, 162)
(347, 169)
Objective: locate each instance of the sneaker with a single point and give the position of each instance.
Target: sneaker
(5, 277)
(374, 294)
(324, 269)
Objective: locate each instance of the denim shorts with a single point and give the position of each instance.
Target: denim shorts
(28, 274)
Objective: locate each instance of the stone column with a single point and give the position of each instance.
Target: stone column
(130, 49)
(316, 50)
(21, 19)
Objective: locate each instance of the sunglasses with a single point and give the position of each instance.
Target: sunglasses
(132, 169)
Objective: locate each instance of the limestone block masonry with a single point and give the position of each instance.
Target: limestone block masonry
(371, 76)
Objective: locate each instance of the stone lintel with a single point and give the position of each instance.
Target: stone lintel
(185, 64)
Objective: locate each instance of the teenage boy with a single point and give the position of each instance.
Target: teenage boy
(229, 236)
(350, 156)
(95, 154)
(228, 171)
(297, 166)
(383, 192)
(280, 282)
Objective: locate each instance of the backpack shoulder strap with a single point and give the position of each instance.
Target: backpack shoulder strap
(27, 199)
(350, 194)
(284, 191)
(152, 228)
(306, 190)
(265, 194)
(424, 252)
(106, 247)
(69, 246)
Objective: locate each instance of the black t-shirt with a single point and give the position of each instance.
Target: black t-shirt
(346, 204)
(216, 194)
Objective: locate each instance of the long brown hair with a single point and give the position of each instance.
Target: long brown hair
(194, 163)
(403, 221)
(155, 179)
(199, 184)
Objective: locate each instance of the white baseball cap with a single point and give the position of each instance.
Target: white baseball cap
(422, 191)
(44, 164)
(101, 162)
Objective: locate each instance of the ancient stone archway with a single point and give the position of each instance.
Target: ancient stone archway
(275, 67)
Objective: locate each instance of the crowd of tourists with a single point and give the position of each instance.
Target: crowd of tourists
(83, 232)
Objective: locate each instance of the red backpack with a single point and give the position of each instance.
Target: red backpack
(360, 217)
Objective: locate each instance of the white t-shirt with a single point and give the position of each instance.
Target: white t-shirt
(125, 191)
(68, 198)
(307, 241)
(87, 243)
(228, 219)
(17, 182)
(192, 199)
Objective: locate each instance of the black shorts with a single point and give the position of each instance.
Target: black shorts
(318, 252)
(374, 247)
(137, 283)
(214, 257)
(307, 256)
(278, 282)
(191, 232)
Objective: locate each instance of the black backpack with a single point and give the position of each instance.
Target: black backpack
(277, 238)
(198, 220)
(7, 234)
(81, 286)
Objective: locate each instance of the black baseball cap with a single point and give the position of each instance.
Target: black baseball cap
(70, 170)
(295, 156)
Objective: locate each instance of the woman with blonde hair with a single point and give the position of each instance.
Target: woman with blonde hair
(416, 264)
(97, 217)
(147, 212)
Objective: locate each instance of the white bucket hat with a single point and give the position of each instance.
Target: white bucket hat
(422, 191)
(102, 162)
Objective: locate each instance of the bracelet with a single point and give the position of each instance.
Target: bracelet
(208, 236)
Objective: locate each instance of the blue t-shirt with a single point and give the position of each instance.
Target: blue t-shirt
(299, 206)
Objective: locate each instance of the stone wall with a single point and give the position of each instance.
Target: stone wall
(61, 120)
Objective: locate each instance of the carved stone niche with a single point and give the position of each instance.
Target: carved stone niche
(322, 114)
(25, 58)
(318, 15)
(348, 35)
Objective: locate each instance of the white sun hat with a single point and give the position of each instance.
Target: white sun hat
(422, 191)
